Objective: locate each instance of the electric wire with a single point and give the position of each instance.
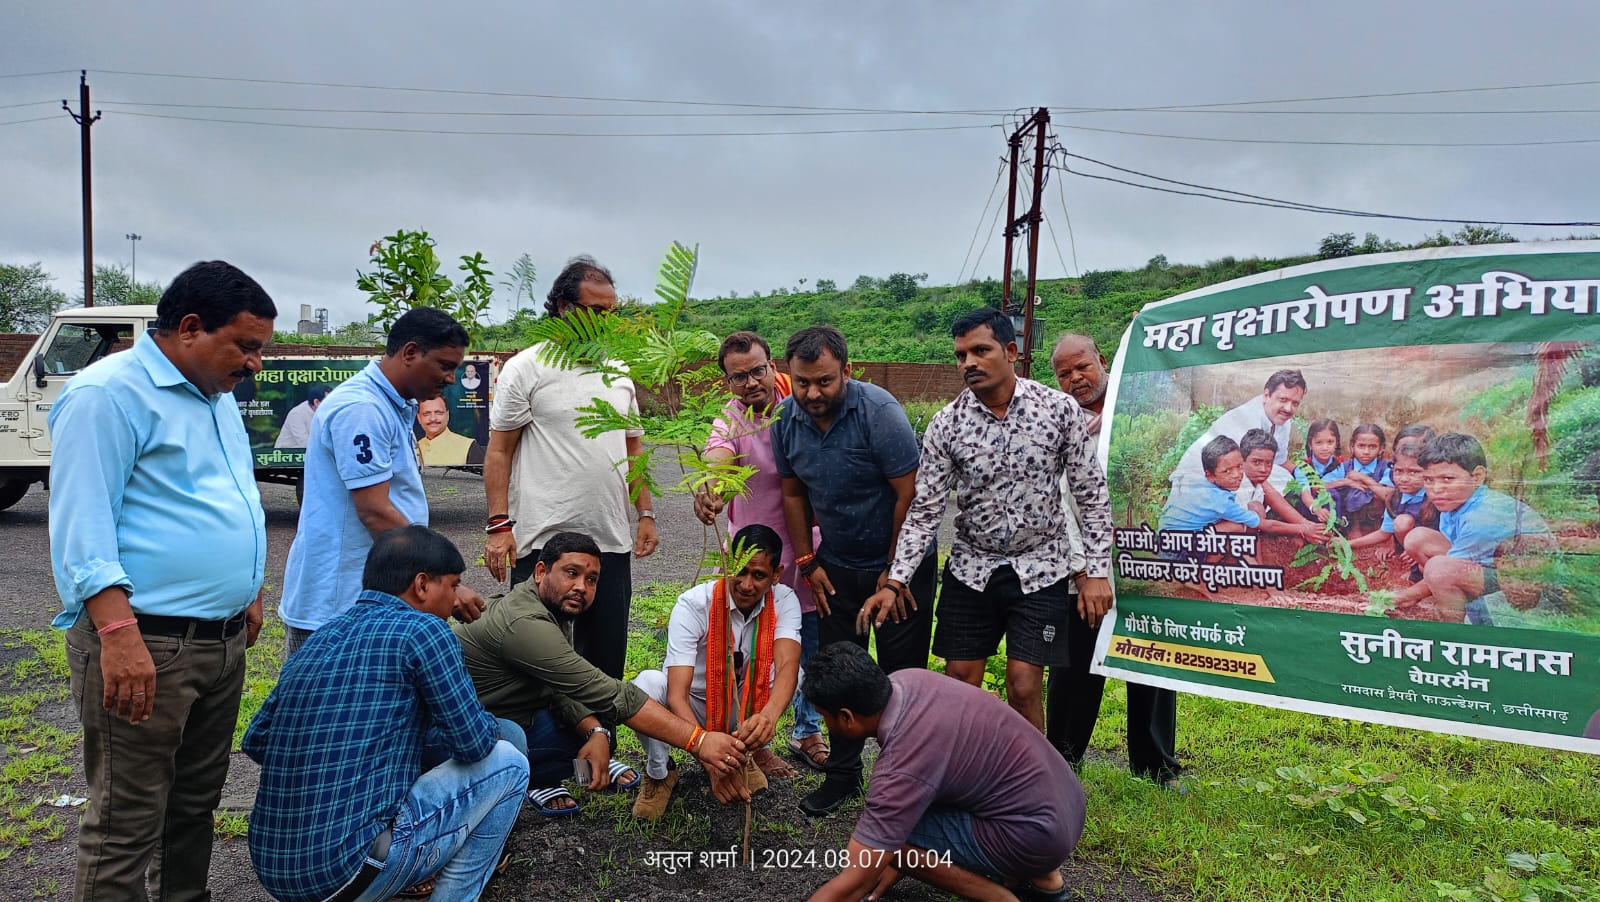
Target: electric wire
(38, 74)
(998, 174)
(554, 134)
(24, 121)
(14, 106)
(986, 238)
(1312, 143)
(1263, 201)
(1331, 98)
(527, 113)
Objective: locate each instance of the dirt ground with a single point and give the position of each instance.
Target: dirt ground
(599, 854)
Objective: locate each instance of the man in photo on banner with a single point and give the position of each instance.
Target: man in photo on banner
(732, 665)
(1272, 411)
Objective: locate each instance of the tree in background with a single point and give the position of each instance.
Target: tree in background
(114, 286)
(27, 298)
(523, 276)
(902, 287)
(826, 285)
(406, 275)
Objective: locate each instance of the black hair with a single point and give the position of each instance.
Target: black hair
(740, 343)
(567, 287)
(843, 675)
(760, 538)
(567, 543)
(1372, 429)
(999, 324)
(427, 328)
(399, 554)
(317, 392)
(1285, 379)
(1453, 448)
(216, 292)
(1409, 446)
(1255, 440)
(1416, 430)
(1215, 450)
(1319, 426)
(809, 343)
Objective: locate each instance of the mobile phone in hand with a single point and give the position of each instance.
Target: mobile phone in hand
(582, 771)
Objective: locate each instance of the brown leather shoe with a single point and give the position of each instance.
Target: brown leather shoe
(773, 766)
(813, 750)
(655, 794)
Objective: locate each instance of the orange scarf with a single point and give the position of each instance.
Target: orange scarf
(721, 671)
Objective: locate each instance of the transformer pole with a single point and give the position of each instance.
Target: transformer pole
(85, 122)
(1031, 220)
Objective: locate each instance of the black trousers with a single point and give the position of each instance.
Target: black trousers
(1072, 708)
(601, 633)
(900, 645)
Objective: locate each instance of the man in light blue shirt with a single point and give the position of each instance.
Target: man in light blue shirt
(158, 544)
(362, 476)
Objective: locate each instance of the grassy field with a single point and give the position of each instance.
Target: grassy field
(1280, 805)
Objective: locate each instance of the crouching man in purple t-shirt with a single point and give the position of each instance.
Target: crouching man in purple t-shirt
(966, 796)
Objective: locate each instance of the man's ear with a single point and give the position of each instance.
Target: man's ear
(1480, 475)
(419, 583)
(190, 327)
(539, 570)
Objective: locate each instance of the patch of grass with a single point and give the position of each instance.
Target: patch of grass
(36, 751)
(230, 825)
(1269, 812)
(261, 665)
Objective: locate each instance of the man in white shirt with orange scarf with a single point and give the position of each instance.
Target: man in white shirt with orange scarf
(733, 661)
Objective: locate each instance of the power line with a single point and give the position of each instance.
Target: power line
(440, 131)
(522, 94)
(24, 121)
(1217, 112)
(527, 113)
(14, 106)
(1072, 239)
(1069, 108)
(38, 74)
(1278, 203)
(987, 236)
(1114, 131)
(998, 174)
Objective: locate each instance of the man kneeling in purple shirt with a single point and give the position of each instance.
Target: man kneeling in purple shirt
(991, 816)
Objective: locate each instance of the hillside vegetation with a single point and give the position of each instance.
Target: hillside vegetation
(898, 319)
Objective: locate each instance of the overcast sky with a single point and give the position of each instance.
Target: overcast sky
(298, 207)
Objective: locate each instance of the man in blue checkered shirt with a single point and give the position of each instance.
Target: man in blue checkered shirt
(345, 810)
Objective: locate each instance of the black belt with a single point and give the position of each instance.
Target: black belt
(156, 625)
(369, 871)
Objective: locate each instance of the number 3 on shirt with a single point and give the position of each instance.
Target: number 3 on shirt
(363, 456)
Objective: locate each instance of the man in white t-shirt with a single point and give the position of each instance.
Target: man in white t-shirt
(542, 476)
(733, 661)
(296, 431)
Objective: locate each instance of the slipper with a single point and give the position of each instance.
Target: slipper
(422, 889)
(617, 769)
(541, 799)
(773, 766)
(812, 751)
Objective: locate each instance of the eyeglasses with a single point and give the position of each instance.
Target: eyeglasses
(753, 374)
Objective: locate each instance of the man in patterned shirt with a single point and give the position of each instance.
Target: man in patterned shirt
(1004, 445)
(345, 810)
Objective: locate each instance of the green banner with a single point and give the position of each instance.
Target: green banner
(1369, 488)
(279, 402)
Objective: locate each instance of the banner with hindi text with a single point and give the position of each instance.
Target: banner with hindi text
(1369, 487)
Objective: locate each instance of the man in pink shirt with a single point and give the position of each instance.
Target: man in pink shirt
(740, 435)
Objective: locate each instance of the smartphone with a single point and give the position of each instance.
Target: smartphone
(582, 771)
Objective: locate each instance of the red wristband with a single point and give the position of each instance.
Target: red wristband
(110, 628)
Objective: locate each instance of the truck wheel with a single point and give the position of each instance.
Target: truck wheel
(11, 491)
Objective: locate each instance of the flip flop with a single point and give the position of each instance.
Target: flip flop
(812, 751)
(617, 769)
(541, 799)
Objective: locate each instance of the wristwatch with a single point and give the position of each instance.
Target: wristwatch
(587, 736)
(647, 512)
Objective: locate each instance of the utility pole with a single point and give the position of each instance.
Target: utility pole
(1030, 220)
(133, 269)
(85, 121)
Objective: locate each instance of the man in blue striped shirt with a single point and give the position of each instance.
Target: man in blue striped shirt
(345, 809)
(158, 543)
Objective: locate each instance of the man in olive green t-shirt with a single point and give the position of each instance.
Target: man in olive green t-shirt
(523, 665)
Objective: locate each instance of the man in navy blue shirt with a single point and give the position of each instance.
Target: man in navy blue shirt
(848, 458)
(344, 809)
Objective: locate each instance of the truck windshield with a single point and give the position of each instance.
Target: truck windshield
(76, 346)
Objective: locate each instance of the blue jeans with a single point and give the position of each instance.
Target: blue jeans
(807, 722)
(549, 748)
(453, 824)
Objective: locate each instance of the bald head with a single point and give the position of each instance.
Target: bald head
(1080, 368)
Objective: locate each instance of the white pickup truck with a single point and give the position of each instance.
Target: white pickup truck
(277, 404)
